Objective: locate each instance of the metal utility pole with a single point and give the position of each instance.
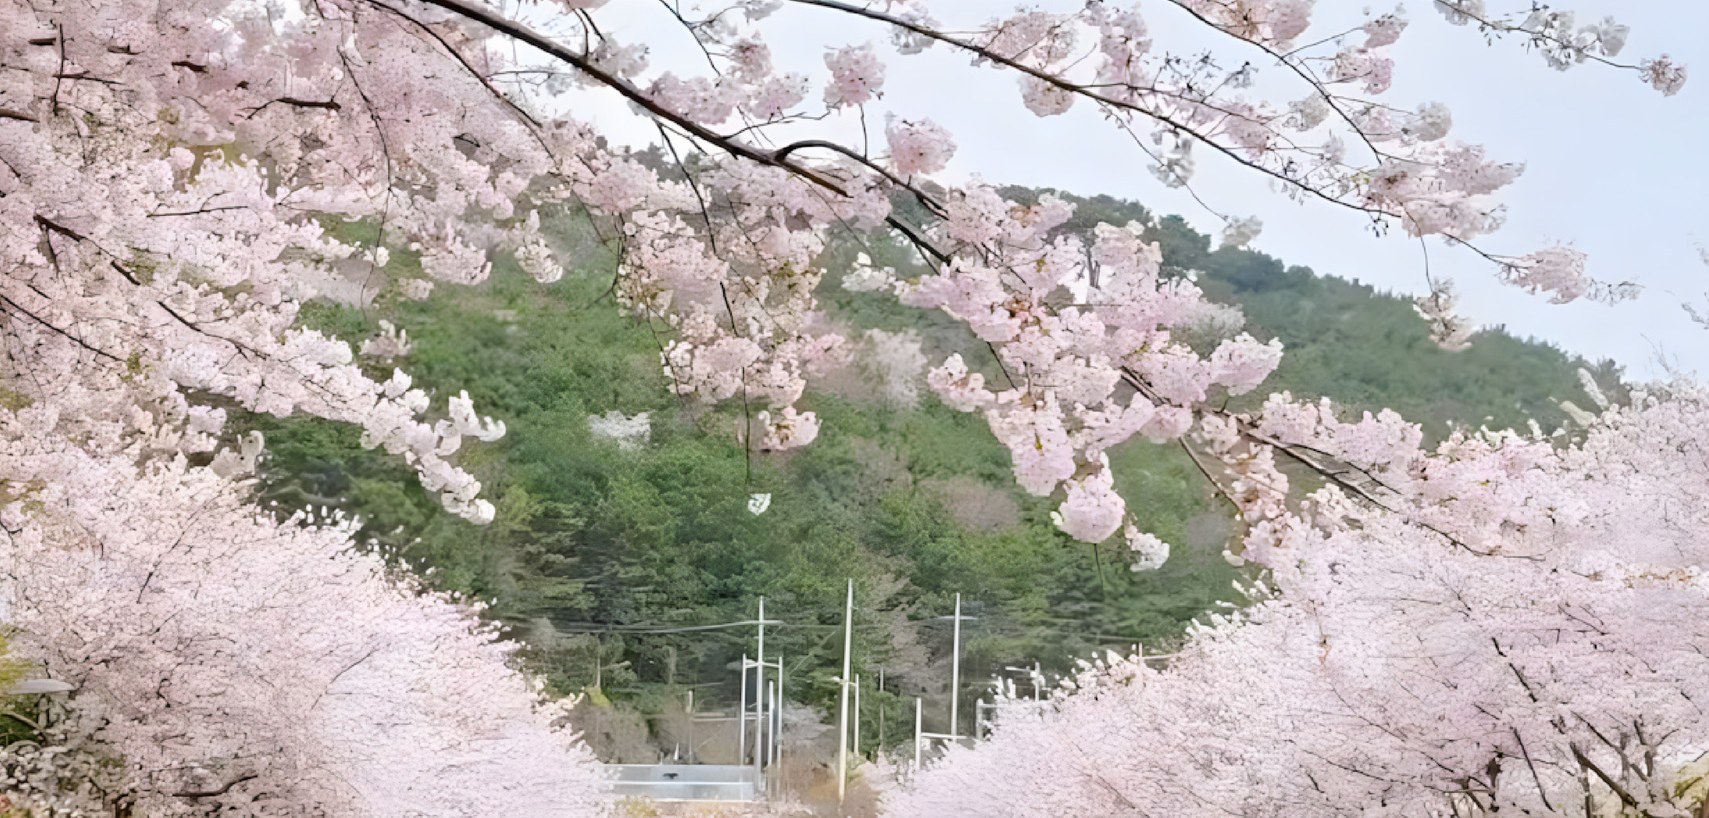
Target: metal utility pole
(954, 734)
(777, 714)
(917, 724)
(881, 708)
(742, 716)
(759, 696)
(857, 717)
(776, 723)
(759, 723)
(843, 698)
(767, 715)
(954, 673)
(763, 753)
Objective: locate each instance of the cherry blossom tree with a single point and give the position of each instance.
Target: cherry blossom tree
(175, 184)
(1516, 629)
(229, 661)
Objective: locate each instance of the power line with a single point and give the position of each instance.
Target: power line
(595, 627)
(645, 630)
(1001, 624)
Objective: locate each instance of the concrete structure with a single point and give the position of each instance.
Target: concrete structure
(686, 782)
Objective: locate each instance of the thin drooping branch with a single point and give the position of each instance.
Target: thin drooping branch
(217, 791)
(12, 306)
(924, 198)
(736, 148)
(1288, 61)
(1490, 24)
(1087, 92)
(1203, 470)
(293, 102)
(1542, 792)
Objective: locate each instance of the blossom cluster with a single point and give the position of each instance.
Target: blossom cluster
(1485, 640)
(1077, 380)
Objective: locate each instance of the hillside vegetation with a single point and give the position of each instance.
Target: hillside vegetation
(593, 544)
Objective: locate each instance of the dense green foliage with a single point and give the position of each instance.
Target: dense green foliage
(593, 545)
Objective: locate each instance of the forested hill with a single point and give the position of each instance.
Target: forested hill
(593, 545)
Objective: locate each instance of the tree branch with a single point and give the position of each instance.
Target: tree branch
(221, 790)
(742, 150)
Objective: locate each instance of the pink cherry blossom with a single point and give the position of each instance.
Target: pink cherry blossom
(857, 76)
(918, 146)
(1091, 510)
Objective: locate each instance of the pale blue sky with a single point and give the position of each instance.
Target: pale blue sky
(1612, 166)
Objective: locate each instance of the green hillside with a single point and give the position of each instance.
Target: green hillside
(917, 504)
